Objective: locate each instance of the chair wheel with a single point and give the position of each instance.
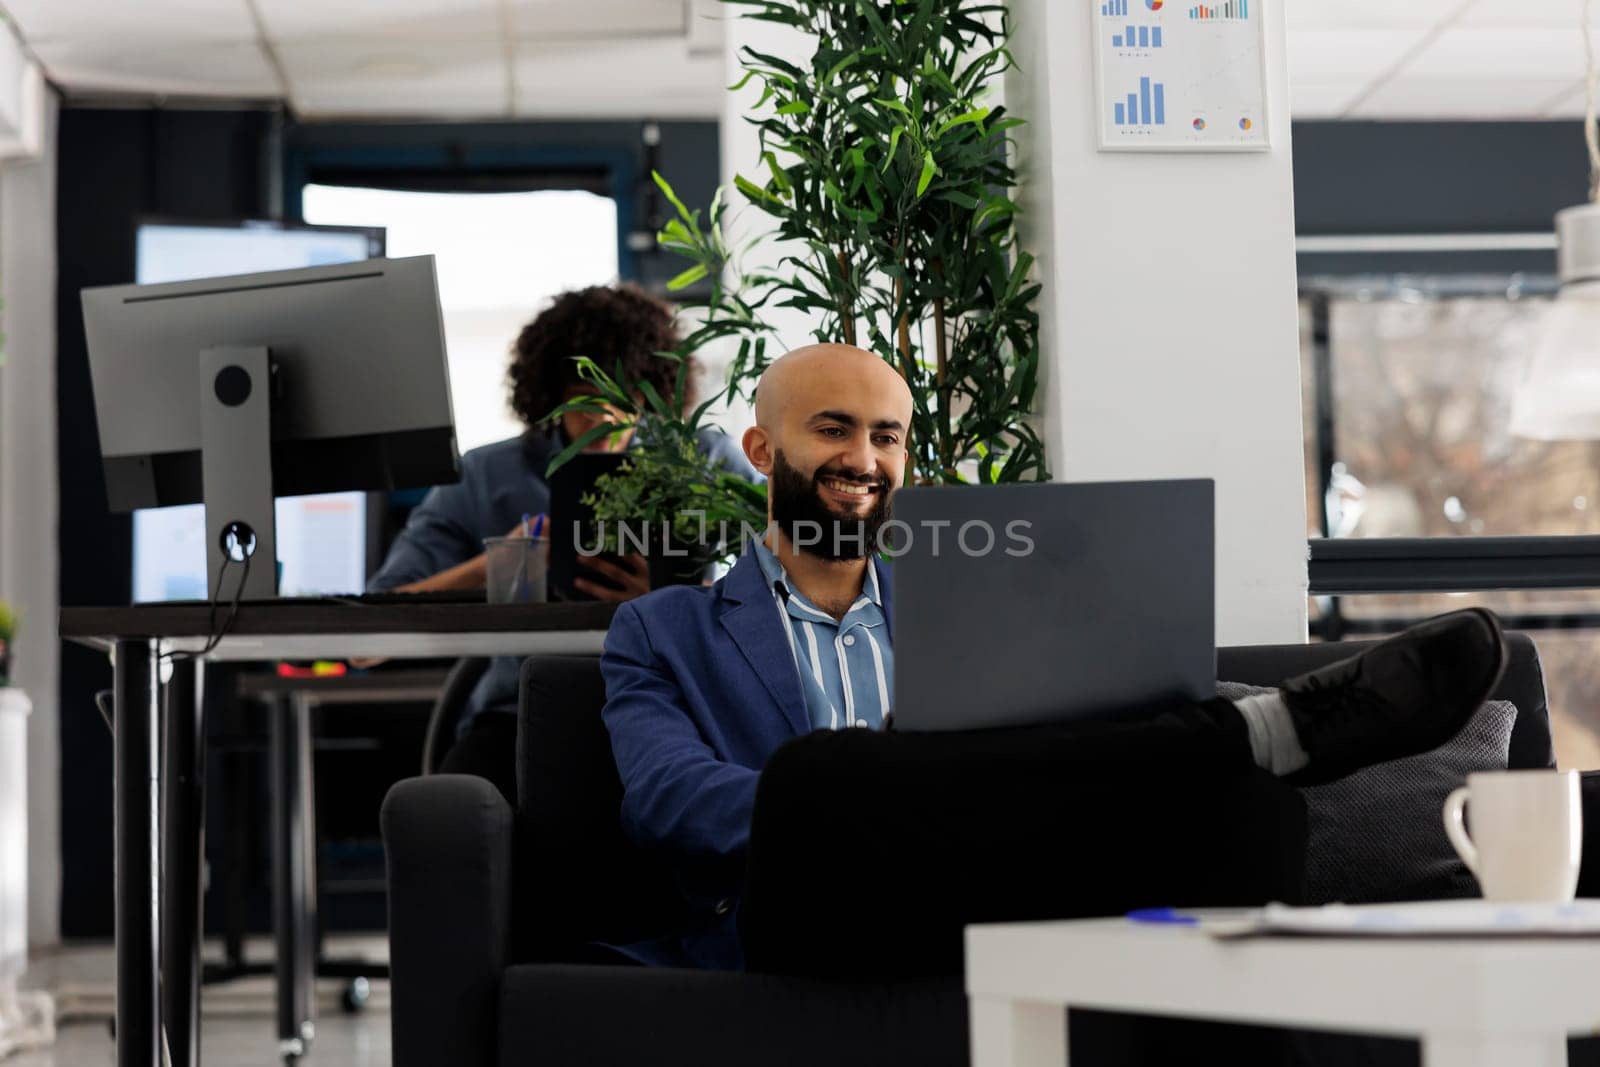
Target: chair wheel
(356, 994)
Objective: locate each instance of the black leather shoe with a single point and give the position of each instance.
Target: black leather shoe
(1410, 694)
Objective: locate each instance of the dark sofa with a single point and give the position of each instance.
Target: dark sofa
(493, 914)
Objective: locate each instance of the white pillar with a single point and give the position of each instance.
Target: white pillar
(1170, 332)
(28, 500)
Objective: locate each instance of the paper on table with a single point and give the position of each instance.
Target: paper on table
(1434, 918)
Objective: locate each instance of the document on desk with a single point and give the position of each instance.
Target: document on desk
(1434, 918)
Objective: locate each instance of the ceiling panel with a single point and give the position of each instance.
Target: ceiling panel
(652, 78)
(1568, 105)
(1557, 13)
(426, 20)
(1347, 55)
(1398, 58)
(1460, 98)
(397, 78)
(220, 69)
(1310, 100)
(552, 20)
(1373, 14)
(1507, 52)
(121, 20)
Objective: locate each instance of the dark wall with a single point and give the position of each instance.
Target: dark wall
(114, 166)
(1435, 178)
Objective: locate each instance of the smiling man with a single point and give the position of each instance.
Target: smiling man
(703, 684)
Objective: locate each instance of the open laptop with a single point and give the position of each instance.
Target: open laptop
(1094, 597)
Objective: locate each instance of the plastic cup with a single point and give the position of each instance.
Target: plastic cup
(517, 567)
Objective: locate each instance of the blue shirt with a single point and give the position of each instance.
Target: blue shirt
(846, 666)
(500, 483)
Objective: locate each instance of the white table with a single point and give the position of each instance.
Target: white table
(1473, 1002)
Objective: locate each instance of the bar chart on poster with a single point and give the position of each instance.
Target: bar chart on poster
(1174, 76)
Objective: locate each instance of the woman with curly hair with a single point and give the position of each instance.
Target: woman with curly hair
(624, 330)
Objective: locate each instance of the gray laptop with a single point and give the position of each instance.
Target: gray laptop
(1112, 605)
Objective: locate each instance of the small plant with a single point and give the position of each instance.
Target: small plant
(667, 480)
(8, 631)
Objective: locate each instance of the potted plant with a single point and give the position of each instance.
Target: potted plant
(888, 175)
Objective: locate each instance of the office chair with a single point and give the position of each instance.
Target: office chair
(447, 709)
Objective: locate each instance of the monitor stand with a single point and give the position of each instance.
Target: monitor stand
(236, 471)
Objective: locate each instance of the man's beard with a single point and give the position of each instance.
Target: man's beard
(812, 525)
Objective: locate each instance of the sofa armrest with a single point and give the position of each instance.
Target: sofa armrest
(449, 843)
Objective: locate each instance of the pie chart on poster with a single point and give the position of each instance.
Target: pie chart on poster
(1154, 5)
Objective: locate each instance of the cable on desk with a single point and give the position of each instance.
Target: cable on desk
(215, 634)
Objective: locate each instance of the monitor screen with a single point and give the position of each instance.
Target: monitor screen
(322, 540)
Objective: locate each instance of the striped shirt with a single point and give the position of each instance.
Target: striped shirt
(845, 666)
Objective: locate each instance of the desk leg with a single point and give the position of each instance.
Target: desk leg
(183, 830)
(135, 707)
(1486, 1050)
(1014, 1033)
(289, 731)
(309, 939)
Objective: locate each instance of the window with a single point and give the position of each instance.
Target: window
(500, 258)
(1421, 393)
(1408, 384)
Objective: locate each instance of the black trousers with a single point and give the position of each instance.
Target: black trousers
(871, 851)
(489, 750)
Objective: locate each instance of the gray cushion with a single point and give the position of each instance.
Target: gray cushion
(1378, 834)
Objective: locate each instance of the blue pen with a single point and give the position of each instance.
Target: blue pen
(1163, 916)
(538, 525)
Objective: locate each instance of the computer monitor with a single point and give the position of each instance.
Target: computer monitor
(326, 543)
(235, 390)
(173, 250)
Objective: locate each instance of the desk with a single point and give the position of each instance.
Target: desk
(158, 791)
(1474, 1002)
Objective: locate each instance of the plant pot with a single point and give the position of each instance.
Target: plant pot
(689, 568)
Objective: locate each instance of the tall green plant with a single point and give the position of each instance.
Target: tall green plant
(888, 172)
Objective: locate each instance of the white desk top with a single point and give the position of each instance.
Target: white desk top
(1373, 985)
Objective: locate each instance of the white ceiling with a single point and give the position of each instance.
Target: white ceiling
(391, 58)
(1359, 59)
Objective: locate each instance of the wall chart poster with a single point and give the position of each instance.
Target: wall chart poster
(1177, 76)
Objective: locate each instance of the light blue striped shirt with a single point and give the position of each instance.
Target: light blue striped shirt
(846, 667)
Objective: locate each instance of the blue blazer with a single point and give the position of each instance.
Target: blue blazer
(701, 687)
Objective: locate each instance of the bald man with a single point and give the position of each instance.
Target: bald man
(703, 685)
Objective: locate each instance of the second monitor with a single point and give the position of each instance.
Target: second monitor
(235, 390)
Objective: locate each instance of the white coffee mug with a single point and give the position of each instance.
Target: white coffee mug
(1527, 833)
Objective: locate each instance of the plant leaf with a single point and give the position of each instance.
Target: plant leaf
(688, 277)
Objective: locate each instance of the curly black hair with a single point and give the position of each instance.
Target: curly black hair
(621, 327)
